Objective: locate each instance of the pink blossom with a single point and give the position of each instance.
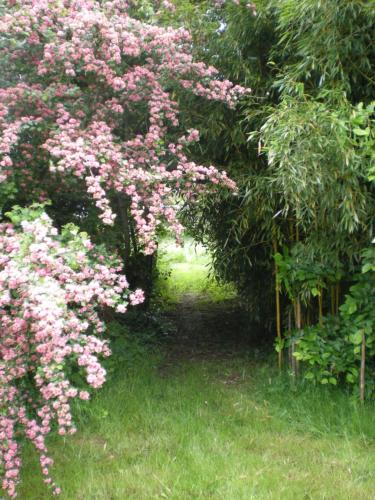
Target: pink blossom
(51, 294)
(85, 142)
(43, 325)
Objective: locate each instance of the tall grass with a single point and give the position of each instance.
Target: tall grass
(221, 428)
(218, 429)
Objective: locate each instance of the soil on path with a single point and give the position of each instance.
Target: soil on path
(203, 330)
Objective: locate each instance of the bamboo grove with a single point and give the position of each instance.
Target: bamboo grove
(298, 239)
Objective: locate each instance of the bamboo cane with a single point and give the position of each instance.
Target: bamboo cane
(337, 297)
(333, 297)
(362, 374)
(278, 312)
(320, 301)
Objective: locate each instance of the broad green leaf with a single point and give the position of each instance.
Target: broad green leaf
(361, 131)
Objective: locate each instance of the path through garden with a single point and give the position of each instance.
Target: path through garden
(204, 416)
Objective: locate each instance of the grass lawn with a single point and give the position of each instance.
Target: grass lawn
(224, 428)
(186, 270)
(218, 429)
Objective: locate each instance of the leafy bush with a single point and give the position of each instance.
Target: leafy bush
(332, 351)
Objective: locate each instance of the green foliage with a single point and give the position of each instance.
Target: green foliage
(327, 43)
(362, 121)
(327, 352)
(7, 193)
(303, 275)
(314, 169)
(19, 214)
(131, 340)
(358, 309)
(332, 351)
(301, 149)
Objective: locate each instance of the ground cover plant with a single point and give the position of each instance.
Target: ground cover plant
(194, 435)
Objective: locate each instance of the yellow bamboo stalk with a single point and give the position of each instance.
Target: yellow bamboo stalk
(299, 326)
(278, 311)
(337, 297)
(362, 373)
(333, 298)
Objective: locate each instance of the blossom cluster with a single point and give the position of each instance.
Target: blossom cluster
(92, 105)
(51, 289)
(95, 69)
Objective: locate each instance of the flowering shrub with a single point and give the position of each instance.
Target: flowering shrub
(93, 98)
(51, 286)
(90, 106)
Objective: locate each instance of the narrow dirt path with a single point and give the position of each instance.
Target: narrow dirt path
(206, 317)
(204, 330)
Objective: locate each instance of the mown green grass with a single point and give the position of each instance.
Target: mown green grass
(220, 429)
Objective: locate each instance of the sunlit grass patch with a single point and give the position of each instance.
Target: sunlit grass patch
(186, 270)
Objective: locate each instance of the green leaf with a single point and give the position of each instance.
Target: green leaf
(362, 131)
(298, 355)
(368, 267)
(356, 337)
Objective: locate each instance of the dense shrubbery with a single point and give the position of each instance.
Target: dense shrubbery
(89, 119)
(51, 286)
(335, 349)
(99, 105)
